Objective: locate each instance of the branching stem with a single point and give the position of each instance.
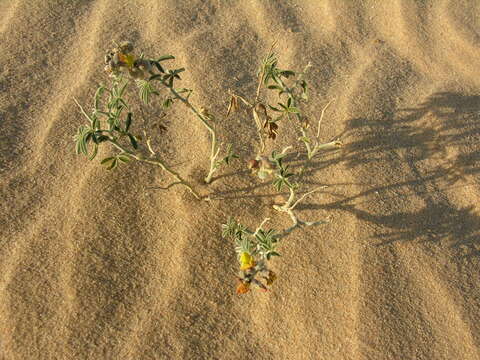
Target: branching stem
(214, 149)
(157, 162)
(290, 205)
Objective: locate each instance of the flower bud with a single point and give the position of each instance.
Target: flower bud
(126, 47)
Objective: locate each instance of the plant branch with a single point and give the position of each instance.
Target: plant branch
(261, 225)
(288, 208)
(321, 117)
(205, 123)
(157, 162)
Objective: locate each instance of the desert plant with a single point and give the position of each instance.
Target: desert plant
(111, 118)
(266, 125)
(108, 125)
(283, 178)
(313, 143)
(254, 250)
(125, 67)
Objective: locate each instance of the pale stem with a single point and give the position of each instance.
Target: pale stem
(286, 148)
(213, 166)
(157, 162)
(307, 144)
(306, 194)
(288, 208)
(261, 225)
(205, 123)
(244, 100)
(326, 146)
(259, 130)
(321, 117)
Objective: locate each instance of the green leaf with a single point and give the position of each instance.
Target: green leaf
(271, 253)
(182, 90)
(128, 122)
(98, 95)
(230, 155)
(95, 122)
(303, 84)
(104, 161)
(293, 110)
(177, 71)
(154, 77)
(158, 66)
(304, 139)
(274, 87)
(78, 150)
(165, 57)
(274, 108)
(287, 73)
(167, 103)
(113, 164)
(94, 153)
(123, 158)
(123, 103)
(133, 141)
(122, 89)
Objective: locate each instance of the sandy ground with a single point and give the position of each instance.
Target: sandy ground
(93, 266)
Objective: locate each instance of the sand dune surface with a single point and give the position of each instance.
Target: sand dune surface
(96, 264)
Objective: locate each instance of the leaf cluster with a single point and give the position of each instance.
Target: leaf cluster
(261, 243)
(107, 123)
(165, 76)
(283, 174)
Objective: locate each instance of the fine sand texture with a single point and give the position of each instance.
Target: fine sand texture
(98, 264)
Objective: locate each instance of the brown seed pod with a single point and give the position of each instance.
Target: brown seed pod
(253, 164)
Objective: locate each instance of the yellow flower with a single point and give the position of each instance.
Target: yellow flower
(128, 59)
(246, 261)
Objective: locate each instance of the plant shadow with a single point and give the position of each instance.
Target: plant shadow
(432, 150)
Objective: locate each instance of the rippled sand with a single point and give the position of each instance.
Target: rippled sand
(94, 266)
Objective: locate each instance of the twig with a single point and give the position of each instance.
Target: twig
(321, 117)
(157, 162)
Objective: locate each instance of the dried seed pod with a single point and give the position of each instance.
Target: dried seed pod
(305, 123)
(271, 277)
(271, 129)
(242, 287)
(253, 164)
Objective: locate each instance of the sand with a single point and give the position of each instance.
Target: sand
(94, 265)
